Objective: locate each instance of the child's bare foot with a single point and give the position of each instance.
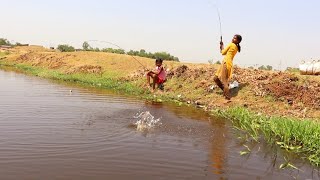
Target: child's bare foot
(152, 90)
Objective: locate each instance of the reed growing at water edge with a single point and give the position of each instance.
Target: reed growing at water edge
(294, 135)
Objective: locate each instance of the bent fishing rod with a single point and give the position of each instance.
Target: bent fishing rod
(219, 17)
(219, 22)
(119, 48)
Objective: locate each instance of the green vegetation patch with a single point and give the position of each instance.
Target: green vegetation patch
(3, 54)
(294, 135)
(93, 80)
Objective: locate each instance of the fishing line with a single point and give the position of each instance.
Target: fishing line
(118, 47)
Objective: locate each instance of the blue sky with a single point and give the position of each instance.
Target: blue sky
(274, 31)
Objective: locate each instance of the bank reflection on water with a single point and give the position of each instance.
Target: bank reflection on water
(218, 151)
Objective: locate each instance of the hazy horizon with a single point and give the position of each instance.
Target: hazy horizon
(276, 33)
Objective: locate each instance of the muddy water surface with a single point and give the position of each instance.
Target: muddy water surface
(49, 132)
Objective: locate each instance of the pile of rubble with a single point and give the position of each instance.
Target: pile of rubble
(283, 86)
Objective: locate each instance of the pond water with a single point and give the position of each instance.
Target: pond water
(54, 130)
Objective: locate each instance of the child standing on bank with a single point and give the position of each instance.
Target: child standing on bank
(224, 73)
(158, 75)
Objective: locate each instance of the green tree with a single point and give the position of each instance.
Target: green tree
(262, 67)
(150, 55)
(269, 68)
(130, 52)
(162, 55)
(65, 48)
(4, 42)
(165, 56)
(86, 46)
(116, 51)
(120, 51)
(143, 53)
(108, 50)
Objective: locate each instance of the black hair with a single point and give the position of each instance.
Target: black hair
(239, 38)
(159, 60)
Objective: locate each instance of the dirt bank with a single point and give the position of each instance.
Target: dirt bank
(271, 92)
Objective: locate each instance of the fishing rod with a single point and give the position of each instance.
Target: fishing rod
(219, 22)
(119, 48)
(219, 18)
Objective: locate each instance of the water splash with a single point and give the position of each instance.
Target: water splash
(146, 121)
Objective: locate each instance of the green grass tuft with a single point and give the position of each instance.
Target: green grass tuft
(294, 135)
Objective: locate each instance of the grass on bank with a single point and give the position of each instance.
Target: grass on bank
(106, 80)
(2, 54)
(93, 80)
(297, 136)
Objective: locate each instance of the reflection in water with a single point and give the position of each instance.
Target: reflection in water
(219, 149)
(182, 111)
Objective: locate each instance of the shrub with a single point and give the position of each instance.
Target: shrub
(65, 48)
(4, 42)
(86, 46)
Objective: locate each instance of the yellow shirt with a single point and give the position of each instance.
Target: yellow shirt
(229, 52)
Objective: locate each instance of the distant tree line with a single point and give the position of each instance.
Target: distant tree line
(116, 51)
(162, 55)
(268, 67)
(263, 67)
(210, 61)
(87, 47)
(5, 42)
(142, 53)
(292, 69)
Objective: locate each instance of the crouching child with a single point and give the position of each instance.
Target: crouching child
(158, 75)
